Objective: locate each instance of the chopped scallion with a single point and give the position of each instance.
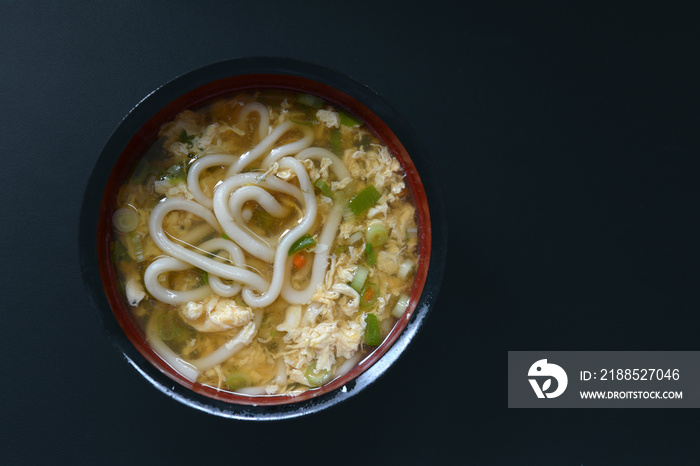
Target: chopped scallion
(125, 219)
(138, 248)
(359, 278)
(369, 295)
(169, 329)
(237, 380)
(404, 269)
(348, 120)
(304, 242)
(401, 306)
(364, 200)
(185, 139)
(324, 188)
(309, 100)
(316, 377)
(370, 255)
(373, 334)
(175, 174)
(377, 233)
(336, 144)
(355, 237)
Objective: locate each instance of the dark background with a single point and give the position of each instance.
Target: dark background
(566, 140)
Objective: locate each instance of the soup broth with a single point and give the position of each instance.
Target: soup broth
(265, 243)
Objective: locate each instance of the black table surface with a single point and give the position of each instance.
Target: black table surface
(566, 143)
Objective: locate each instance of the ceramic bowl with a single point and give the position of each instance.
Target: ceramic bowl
(195, 89)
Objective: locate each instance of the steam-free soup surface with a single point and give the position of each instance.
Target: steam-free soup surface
(265, 243)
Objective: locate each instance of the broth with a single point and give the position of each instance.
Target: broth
(265, 243)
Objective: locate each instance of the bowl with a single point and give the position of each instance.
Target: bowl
(139, 129)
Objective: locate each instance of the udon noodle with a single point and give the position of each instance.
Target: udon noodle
(265, 243)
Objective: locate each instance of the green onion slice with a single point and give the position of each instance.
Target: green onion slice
(315, 377)
(237, 380)
(309, 100)
(401, 306)
(174, 174)
(169, 329)
(369, 295)
(359, 278)
(304, 242)
(377, 233)
(324, 188)
(348, 120)
(370, 255)
(336, 144)
(373, 334)
(364, 200)
(125, 219)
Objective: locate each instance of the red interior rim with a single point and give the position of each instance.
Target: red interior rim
(202, 96)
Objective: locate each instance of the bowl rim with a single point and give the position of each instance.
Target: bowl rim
(138, 130)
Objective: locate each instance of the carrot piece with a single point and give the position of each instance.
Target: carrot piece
(299, 260)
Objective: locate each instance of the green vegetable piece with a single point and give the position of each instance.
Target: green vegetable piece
(369, 295)
(185, 139)
(224, 236)
(174, 174)
(237, 380)
(364, 200)
(341, 249)
(373, 334)
(304, 242)
(309, 100)
(370, 255)
(348, 120)
(365, 142)
(125, 219)
(336, 144)
(119, 252)
(204, 277)
(314, 377)
(359, 278)
(138, 247)
(324, 188)
(377, 233)
(264, 220)
(169, 329)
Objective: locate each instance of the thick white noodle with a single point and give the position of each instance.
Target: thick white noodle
(231, 347)
(170, 264)
(261, 110)
(318, 153)
(238, 259)
(184, 368)
(266, 144)
(318, 270)
(254, 245)
(291, 148)
(228, 349)
(211, 266)
(195, 172)
(282, 253)
(225, 217)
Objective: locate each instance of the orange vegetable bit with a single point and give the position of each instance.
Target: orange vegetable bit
(299, 260)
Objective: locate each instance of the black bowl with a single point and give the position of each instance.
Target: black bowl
(139, 129)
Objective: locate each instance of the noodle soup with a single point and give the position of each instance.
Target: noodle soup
(266, 243)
